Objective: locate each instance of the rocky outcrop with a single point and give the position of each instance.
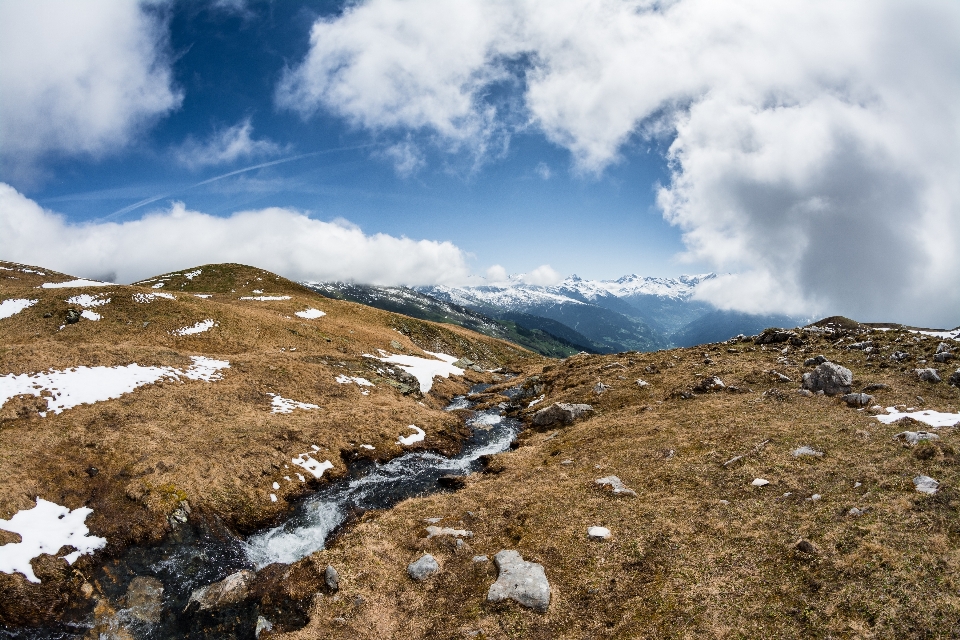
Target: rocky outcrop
(829, 377)
(521, 581)
(560, 413)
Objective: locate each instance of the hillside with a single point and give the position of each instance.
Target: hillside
(745, 505)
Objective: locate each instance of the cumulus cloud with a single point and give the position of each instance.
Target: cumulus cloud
(544, 275)
(225, 146)
(406, 157)
(281, 240)
(79, 77)
(497, 275)
(813, 143)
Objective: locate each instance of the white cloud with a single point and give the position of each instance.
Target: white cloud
(814, 143)
(280, 240)
(543, 275)
(543, 170)
(225, 146)
(406, 157)
(496, 275)
(79, 77)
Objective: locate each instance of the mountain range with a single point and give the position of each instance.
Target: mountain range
(631, 313)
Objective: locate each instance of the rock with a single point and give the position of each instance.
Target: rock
(433, 531)
(943, 357)
(396, 345)
(560, 412)
(928, 375)
(599, 388)
(521, 581)
(876, 386)
(866, 344)
(331, 578)
(616, 485)
(899, 356)
(231, 590)
(73, 316)
(955, 378)
(480, 558)
(423, 568)
(912, 438)
(857, 399)
(775, 336)
(780, 377)
(800, 452)
(813, 362)
(464, 363)
(642, 383)
(708, 384)
(829, 377)
(943, 347)
(145, 598)
(855, 512)
(452, 482)
(262, 625)
(760, 482)
(805, 546)
(598, 533)
(805, 392)
(926, 484)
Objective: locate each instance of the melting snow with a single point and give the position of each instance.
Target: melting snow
(264, 298)
(75, 283)
(308, 463)
(87, 385)
(159, 285)
(954, 335)
(147, 298)
(416, 437)
(46, 528)
(933, 418)
(190, 275)
(87, 300)
(90, 315)
(363, 382)
(310, 313)
(15, 306)
(424, 369)
(200, 327)
(285, 405)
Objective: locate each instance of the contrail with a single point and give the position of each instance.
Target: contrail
(137, 205)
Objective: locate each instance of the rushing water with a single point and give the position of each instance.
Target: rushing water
(197, 555)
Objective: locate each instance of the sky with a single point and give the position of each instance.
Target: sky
(807, 151)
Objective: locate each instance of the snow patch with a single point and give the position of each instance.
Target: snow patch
(424, 369)
(305, 461)
(200, 327)
(46, 528)
(190, 275)
(285, 405)
(310, 313)
(159, 285)
(75, 283)
(86, 300)
(86, 385)
(147, 298)
(90, 315)
(264, 298)
(415, 437)
(935, 419)
(363, 382)
(14, 306)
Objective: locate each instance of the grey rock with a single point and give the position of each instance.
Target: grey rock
(780, 377)
(331, 578)
(914, 437)
(521, 581)
(816, 360)
(73, 316)
(800, 452)
(433, 531)
(858, 399)
(599, 388)
(616, 485)
(423, 568)
(943, 347)
(928, 375)
(899, 356)
(946, 356)
(560, 412)
(145, 599)
(262, 625)
(464, 363)
(231, 590)
(926, 484)
(480, 558)
(829, 377)
(866, 344)
(708, 384)
(774, 336)
(955, 378)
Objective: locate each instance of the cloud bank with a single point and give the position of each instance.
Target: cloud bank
(79, 77)
(813, 145)
(280, 240)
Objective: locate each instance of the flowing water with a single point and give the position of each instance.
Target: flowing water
(196, 555)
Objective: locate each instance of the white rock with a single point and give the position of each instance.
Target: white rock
(760, 482)
(806, 451)
(521, 581)
(433, 531)
(926, 484)
(616, 485)
(598, 533)
(423, 568)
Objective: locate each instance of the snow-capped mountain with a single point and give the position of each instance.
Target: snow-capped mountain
(633, 285)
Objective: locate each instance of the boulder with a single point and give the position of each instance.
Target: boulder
(560, 413)
(231, 590)
(423, 568)
(955, 378)
(857, 399)
(899, 356)
(943, 347)
(521, 581)
(145, 599)
(926, 484)
(829, 377)
(946, 356)
(928, 375)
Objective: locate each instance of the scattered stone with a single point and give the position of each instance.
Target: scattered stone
(855, 512)
(775, 336)
(598, 533)
(599, 388)
(815, 497)
(231, 590)
(464, 363)
(708, 384)
(433, 531)
(73, 316)
(805, 393)
(521, 581)
(943, 347)
(616, 485)
(780, 377)
(955, 378)
(926, 484)
(480, 558)
(857, 399)
(568, 461)
(92, 471)
(876, 386)
(806, 451)
(760, 482)
(899, 356)
(432, 520)
(913, 438)
(145, 598)
(423, 568)
(396, 345)
(928, 375)
(331, 578)
(805, 546)
(943, 357)
(814, 361)
(560, 412)
(642, 383)
(829, 377)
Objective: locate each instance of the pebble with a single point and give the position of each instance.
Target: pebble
(760, 482)
(598, 533)
(331, 578)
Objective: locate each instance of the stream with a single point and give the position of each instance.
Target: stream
(195, 555)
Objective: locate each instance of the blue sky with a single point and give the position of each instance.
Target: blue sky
(521, 207)
(805, 150)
